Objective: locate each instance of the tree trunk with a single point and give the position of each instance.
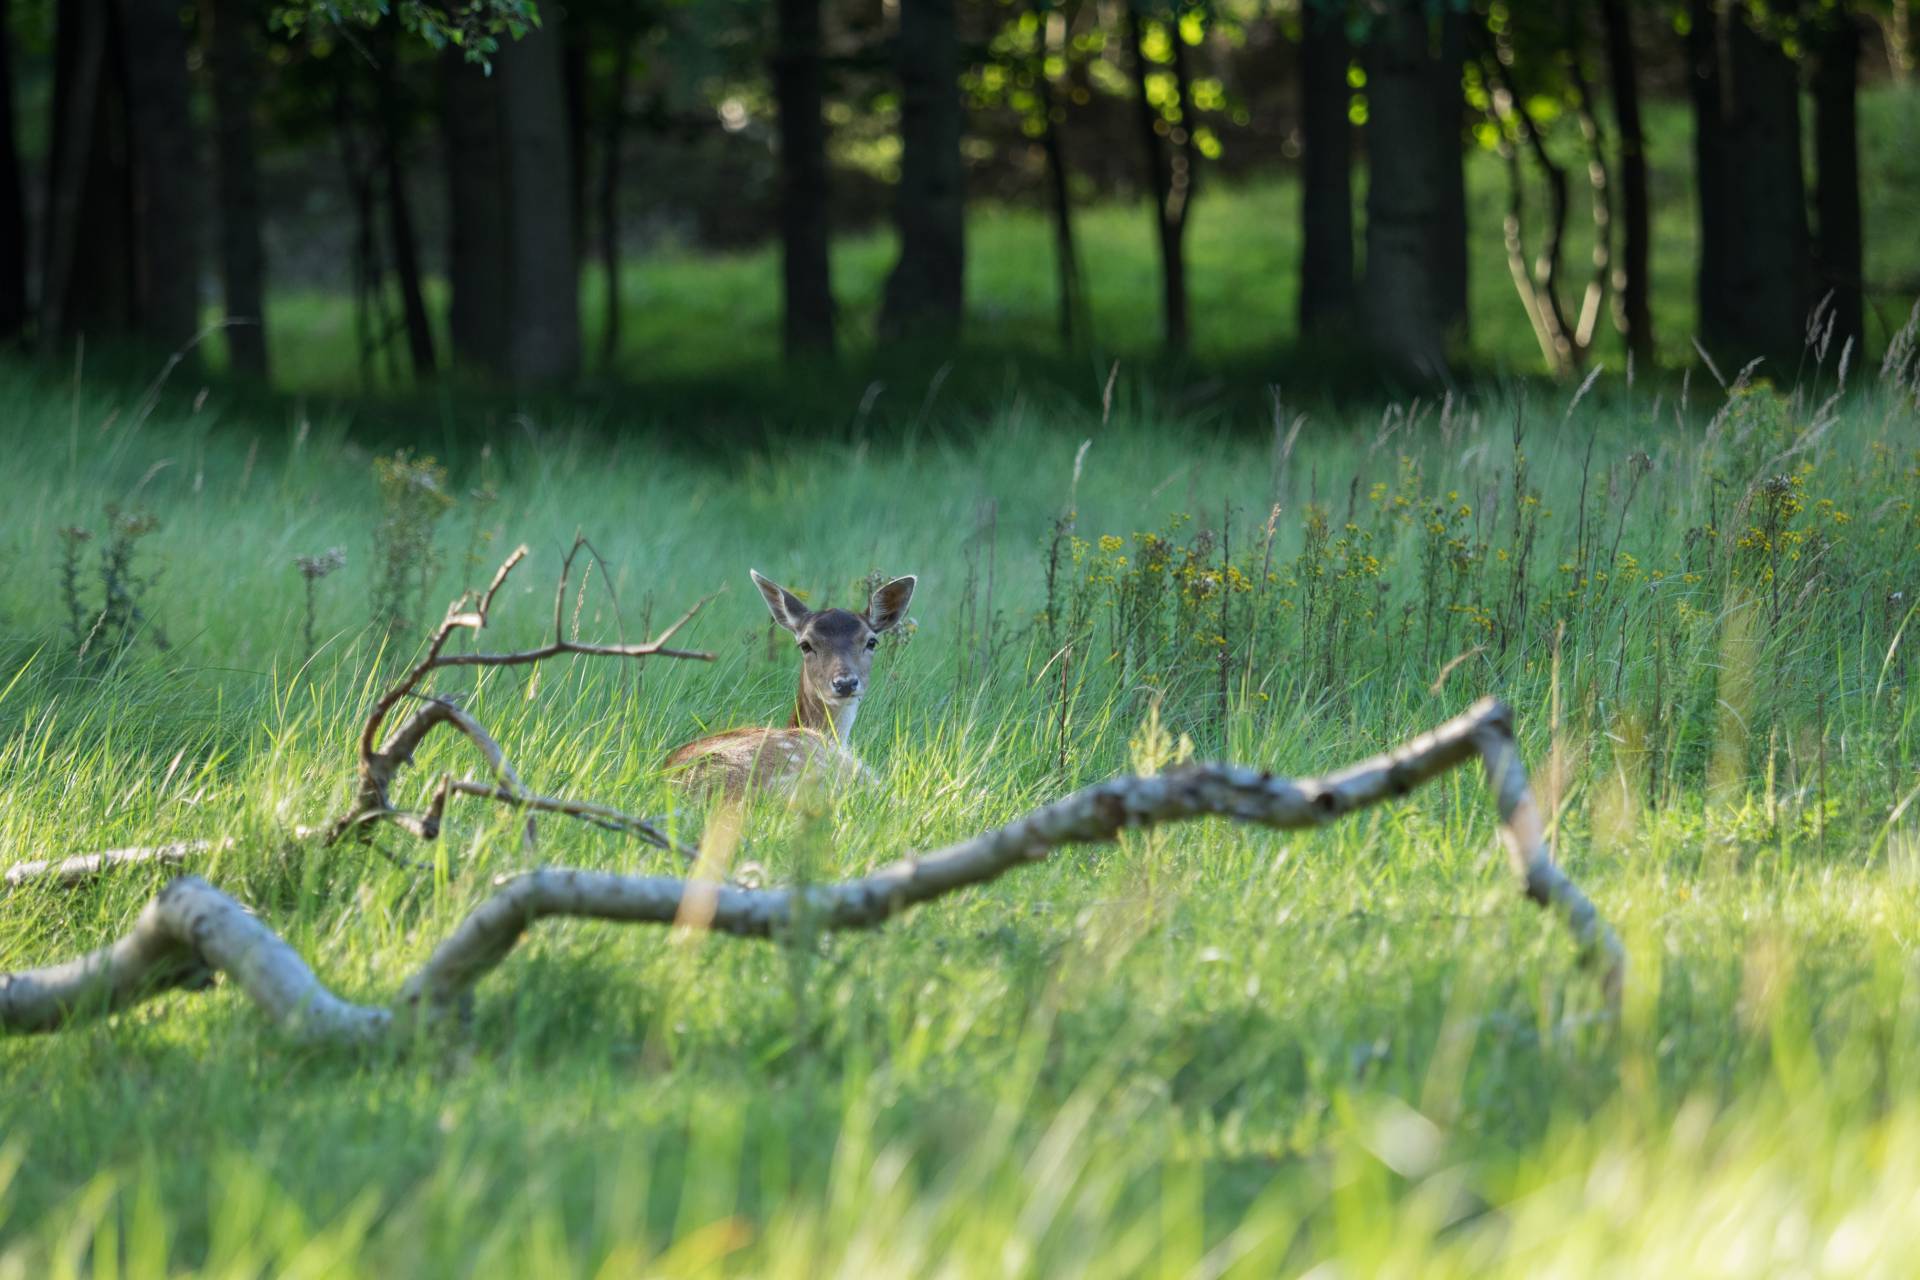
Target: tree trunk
(543, 318)
(1066, 257)
(477, 222)
(1326, 201)
(406, 250)
(1169, 179)
(516, 287)
(89, 181)
(1448, 54)
(1755, 258)
(611, 144)
(1836, 148)
(243, 268)
(1406, 294)
(799, 95)
(13, 208)
(166, 174)
(1632, 285)
(925, 294)
(576, 77)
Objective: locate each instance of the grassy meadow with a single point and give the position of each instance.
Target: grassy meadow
(1206, 1051)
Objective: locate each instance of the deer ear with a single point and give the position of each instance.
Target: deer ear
(889, 604)
(781, 603)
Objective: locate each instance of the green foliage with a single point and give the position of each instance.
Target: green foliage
(472, 26)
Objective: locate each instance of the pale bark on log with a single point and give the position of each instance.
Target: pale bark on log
(85, 866)
(192, 928)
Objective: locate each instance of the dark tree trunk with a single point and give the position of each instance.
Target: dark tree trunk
(13, 207)
(1407, 295)
(516, 288)
(477, 225)
(799, 95)
(87, 274)
(1450, 228)
(925, 293)
(1632, 285)
(576, 78)
(1326, 202)
(1836, 147)
(243, 267)
(543, 315)
(1755, 257)
(370, 326)
(166, 174)
(406, 251)
(1170, 178)
(611, 145)
(1066, 257)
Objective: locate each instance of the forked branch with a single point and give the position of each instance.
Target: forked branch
(378, 765)
(193, 928)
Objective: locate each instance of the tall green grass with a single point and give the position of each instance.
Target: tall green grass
(1205, 1051)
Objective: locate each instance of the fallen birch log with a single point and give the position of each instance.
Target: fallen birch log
(192, 929)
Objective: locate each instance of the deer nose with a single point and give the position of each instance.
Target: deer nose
(846, 686)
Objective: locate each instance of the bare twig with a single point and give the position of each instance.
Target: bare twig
(192, 928)
(379, 765)
(85, 866)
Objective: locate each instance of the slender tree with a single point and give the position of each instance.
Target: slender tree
(477, 223)
(1838, 250)
(1056, 27)
(544, 317)
(925, 292)
(612, 149)
(233, 59)
(576, 75)
(799, 91)
(1326, 199)
(1172, 154)
(515, 308)
(13, 208)
(167, 183)
(1407, 295)
(396, 129)
(1755, 257)
(1632, 285)
(1446, 110)
(87, 268)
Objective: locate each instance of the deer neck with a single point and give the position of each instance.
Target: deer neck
(833, 720)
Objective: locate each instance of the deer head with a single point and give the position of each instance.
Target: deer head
(836, 650)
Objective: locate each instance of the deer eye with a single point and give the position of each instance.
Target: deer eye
(806, 647)
(873, 642)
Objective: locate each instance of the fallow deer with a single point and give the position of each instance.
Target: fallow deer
(836, 657)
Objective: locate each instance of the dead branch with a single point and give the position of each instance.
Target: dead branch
(378, 766)
(192, 928)
(85, 866)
